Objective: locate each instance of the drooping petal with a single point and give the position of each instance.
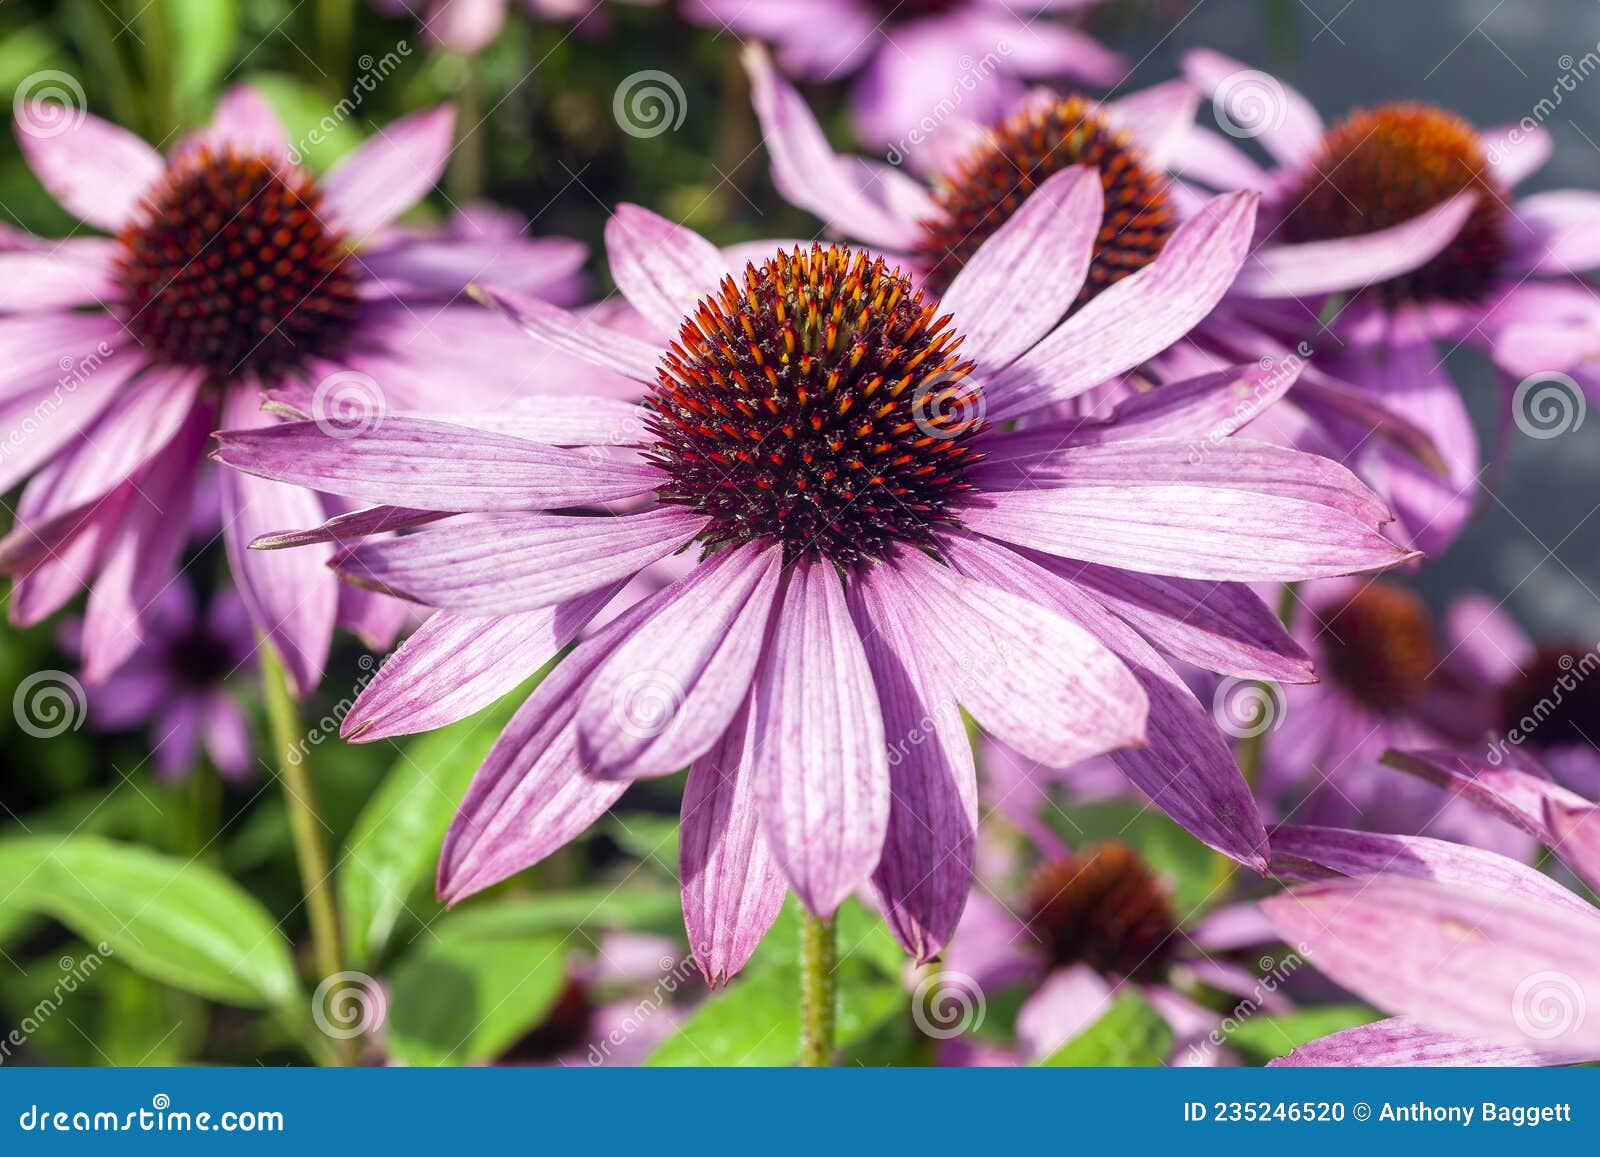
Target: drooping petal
(292, 596)
(1563, 224)
(1401, 1042)
(1022, 280)
(374, 184)
(1136, 318)
(822, 776)
(732, 888)
(97, 171)
(352, 527)
(1034, 679)
(1469, 962)
(1366, 854)
(451, 667)
(667, 694)
(531, 795)
(925, 874)
(429, 465)
(663, 269)
(1184, 766)
(1262, 106)
(500, 564)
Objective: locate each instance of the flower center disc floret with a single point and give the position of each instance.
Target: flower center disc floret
(1382, 167)
(1105, 908)
(1029, 147)
(232, 269)
(1379, 646)
(817, 401)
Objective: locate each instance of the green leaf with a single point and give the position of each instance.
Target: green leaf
(204, 36)
(174, 921)
(756, 1019)
(395, 844)
(469, 995)
(1264, 1038)
(1129, 1034)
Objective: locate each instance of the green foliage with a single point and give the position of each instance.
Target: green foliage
(1130, 1033)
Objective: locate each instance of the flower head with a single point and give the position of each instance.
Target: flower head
(233, 275)
(860, 567)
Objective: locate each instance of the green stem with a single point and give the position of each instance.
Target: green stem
(466, 162)
(819, 953)
(335, 32)
(304, 824)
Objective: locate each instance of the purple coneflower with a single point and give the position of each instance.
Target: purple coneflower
(872, 549)
(920, 57)
(232, 273)
(1389, 678)
(1088, 926)
(177, 684)
(1484, 960)
(1403, 214)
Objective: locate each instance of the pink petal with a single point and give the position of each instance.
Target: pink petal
(1283, 121)
(666, 695)
(97, 171)
(1401, 1042)
(805, 168)
(352, 527)
(1160, 119)
(72, 273)
(451, 667)
(663, 269)
(245, 122)
(732, 888)
(925, 874)
(500, 564)
(1136, 318)
(1064, 1005)
(388, 174)
(531, 795)
(1351, 263)
(429, 465)
(573, 334)
(1564, 223)
(542, 266)
(822, 777)
(1468, 962)
(1516, 152)
(1032, 678)
(1024, 279)
(291, 595)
